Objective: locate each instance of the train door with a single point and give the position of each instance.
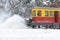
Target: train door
(56, 16)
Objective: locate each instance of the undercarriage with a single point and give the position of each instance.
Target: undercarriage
(44, 25)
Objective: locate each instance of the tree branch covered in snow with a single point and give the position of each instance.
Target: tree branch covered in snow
(23, 7)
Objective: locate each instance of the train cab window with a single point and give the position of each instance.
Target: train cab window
(39, 13)
(51, 13)
(34, 13)
(46, 13)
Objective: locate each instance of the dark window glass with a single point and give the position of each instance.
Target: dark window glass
(39, 13)
(34, 12)
(46, 13)
(51, 14)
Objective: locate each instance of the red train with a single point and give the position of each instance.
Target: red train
(45, 17)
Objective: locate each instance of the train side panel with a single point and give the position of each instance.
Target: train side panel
(43, 19)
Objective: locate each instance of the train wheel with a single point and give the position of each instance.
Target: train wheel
(59, 26)
(51, 26)
(38, 26)
(33, 26)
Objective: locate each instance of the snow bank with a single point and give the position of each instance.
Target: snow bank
(15, 22)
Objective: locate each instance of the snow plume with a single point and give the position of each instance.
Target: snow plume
(14, 22)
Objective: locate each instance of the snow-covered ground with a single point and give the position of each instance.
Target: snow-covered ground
(30, 34)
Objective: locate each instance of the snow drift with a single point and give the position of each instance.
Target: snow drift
(15, 22)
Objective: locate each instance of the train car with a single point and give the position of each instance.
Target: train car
(45, 17)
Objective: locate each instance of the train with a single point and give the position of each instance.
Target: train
(45, 17)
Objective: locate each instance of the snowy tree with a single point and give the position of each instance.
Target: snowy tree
(19, 6)
(23, 7)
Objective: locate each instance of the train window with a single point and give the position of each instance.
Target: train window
(39, 13)
(51, 13)
(46, 13)
(34, 12)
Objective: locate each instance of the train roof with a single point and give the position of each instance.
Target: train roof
(54, 8)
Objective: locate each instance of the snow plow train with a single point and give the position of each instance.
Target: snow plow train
(45, 17)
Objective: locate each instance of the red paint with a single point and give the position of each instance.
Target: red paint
(58, 19)
(43, 19)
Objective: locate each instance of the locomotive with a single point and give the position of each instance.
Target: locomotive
(45, 17)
